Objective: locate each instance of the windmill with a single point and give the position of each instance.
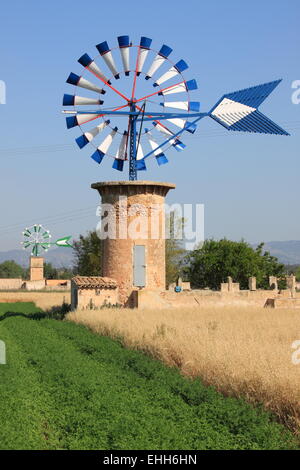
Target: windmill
(142, 105)
(38, 239)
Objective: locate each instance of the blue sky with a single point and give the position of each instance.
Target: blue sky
(248, 183)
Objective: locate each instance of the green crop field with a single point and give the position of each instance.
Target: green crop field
(64, 387)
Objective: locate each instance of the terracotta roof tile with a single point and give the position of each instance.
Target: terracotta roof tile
(91, 282)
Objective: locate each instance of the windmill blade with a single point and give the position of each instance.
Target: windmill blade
(74, 79)
(73, 100)
(159, 155)
(88, 136)
(118, 163)
(121, 152)
(184, 124)
(124, 45)
(103, 148)
(238, 111)
(73, 121)
(177, 144)
(106, 54)
(87, 62)
(190, 85)
(145, 44)
(172, 72)
(159, 59)
(178, 122)
(186, 105)
(140, 161)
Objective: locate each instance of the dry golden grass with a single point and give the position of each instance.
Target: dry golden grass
(244, 352)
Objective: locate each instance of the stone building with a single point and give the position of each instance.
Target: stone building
(134, 248)
(93, 292)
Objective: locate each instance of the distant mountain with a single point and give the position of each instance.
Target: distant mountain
(58, 257)
(287, 252)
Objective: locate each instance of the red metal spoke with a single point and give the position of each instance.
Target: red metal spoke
(110, 86)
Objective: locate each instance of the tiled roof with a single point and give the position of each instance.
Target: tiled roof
(91, 282)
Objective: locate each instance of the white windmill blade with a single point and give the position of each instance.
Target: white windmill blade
(177, 144)
(73, 100)
(124, 45)
(179, 88)
(159, 59)
(172, 72)
(86, 61)
(78, 119)
(104, 146)
(81, 82)
(88, 136)
(145, 44)
(185, 105)
(176, 105)
(160, 156)
(121, 152)
(107, 141)
(139, 153)
(106, 54)
(140, 161)
(178, 122)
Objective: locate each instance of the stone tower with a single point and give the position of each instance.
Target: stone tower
(36, 268)
(133, 235)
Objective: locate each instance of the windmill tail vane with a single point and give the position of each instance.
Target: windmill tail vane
(236, 111)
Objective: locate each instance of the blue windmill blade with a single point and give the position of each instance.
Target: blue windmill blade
(107, 56)
(86, 61)
(104, 146)
(238, 111)
(158, 60)
(81, 82)
(145, 44)
(172, 72)
(124, 45)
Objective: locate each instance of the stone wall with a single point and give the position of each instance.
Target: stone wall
(203, 298)
(44, 300)
(94, 298)
(11, 284)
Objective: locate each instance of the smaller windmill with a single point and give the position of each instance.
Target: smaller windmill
(38, 240)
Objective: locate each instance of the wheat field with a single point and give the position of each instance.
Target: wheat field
(243, 352)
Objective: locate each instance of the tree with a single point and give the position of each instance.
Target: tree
(88, 255)
(297, 274)
(49, 271)
(10, 269)
(211, 264)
